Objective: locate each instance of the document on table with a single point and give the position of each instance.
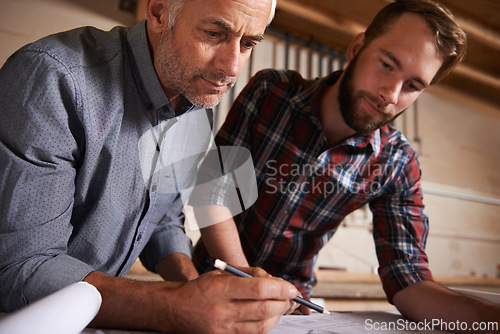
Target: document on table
(349, 322)
(337, 322)
(490, 296)
(317, 323)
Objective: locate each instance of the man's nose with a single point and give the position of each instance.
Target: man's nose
(389, 92)
(228, 59)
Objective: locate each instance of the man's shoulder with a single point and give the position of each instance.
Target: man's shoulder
(278, 84)
(276, 75)
(85, 46)
(280, 78)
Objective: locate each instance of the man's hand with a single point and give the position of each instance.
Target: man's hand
(223, 303)
(214, 302)
(304, 310)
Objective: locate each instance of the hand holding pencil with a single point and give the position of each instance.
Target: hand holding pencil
(219, 264)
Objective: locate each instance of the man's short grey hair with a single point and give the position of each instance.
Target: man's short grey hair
(175, 6)
(273, 12)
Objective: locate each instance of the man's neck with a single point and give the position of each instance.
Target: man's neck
(179, 103)
(332, 122)
(176, 101)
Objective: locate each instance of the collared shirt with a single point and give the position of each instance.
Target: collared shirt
(88, 140)
(305, 188)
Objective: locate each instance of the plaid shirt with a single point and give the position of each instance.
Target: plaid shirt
(306, 188)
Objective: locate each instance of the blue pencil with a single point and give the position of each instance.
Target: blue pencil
(235, 271)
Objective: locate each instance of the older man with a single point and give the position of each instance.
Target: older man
(92, 123)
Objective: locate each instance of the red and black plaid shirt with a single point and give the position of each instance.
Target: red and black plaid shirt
(305, 189)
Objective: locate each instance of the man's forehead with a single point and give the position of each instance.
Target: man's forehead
(406, 29)
(411, 42)
(247, 17)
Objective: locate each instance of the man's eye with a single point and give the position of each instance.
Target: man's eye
(246, 46)
(412, 87)
(212, 34)
(385, 65)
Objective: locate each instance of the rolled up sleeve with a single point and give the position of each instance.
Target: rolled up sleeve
(400, 232)
(169, 237)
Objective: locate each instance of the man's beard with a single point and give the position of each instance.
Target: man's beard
(182, 79)
(350, 107)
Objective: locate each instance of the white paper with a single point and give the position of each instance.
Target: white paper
(66, 311)
(490, 296)
(347, 323)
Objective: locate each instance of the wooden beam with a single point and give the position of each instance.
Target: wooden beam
(309, 13)
(473, 74)
(479, 32)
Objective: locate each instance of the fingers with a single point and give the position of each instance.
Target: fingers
(252, 310)
(218, 284)
(258, 316)
(292, 308)
(305, 310)
(256, 272)
(251, 327)
(226, 303)
(262, 288)
(280, 289)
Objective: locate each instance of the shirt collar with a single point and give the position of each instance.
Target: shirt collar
(369, 141)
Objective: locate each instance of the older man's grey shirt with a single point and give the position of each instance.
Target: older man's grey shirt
(87, 142)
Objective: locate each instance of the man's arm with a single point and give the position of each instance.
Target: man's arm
(400, 232)
(214, 302)
(428, 300)
(176, 267)
(220, 237)
(41, 146)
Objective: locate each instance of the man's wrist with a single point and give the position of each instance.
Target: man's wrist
(176, 267)
(165, 307)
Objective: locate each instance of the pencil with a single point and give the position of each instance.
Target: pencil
(237, 272)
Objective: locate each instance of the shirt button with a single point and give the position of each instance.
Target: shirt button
(167, 113)
(139, 237)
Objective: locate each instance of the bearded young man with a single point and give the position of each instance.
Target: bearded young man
(339, 127)
(86, 180)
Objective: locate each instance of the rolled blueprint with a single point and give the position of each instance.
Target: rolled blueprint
(66, 311)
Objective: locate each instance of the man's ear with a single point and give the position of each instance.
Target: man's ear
(157, 15)
(355, 45)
